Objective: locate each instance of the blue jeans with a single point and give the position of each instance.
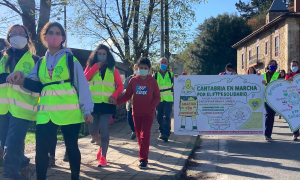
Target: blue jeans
(163, 115)
(130, 120)
(12, 135)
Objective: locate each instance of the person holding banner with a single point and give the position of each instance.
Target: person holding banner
(269, 76)
(228, 70)
(251, 70)
(18, 106)
(293, 72)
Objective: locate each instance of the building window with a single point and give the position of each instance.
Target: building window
(250, 55)
(276, 46)
(243, 61)
(257, 52)
(267, 48)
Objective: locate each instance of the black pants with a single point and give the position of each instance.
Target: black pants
(53, 147)
(163, 115)
(270, 115)
(45, 137)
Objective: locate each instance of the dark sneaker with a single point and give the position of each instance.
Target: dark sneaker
(269, 139)
(165, 138)
(160, 136)
(133, 136)
(51, 161)
(25, 162)
(92, 141)
(143, 164)
(295, 138)
(66, 159)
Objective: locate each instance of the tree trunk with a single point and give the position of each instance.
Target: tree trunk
(136, 30)
(167, 30)
(44, 17)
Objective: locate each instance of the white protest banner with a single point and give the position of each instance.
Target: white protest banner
(284, 98)
(216, 104)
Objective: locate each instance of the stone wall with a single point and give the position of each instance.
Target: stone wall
(282, 30)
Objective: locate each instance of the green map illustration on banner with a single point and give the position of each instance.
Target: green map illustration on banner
(226, 104)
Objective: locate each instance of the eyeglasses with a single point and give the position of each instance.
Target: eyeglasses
(17, 34)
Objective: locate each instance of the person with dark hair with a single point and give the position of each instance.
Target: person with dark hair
(228, 70)
(164, 109)
(282, 74)
(103, 79)
(293, 72)
(128, 104)
(145, 94)
(65, 99)
(251, 70)
(270, 76)
(184, 73)
(18, 107)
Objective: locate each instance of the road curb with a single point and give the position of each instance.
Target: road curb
(175, 175)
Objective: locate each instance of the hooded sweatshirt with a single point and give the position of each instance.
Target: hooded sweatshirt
(80, 83)
(145, 93)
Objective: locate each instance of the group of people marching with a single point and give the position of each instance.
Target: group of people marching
(269, 76)
(55, 91)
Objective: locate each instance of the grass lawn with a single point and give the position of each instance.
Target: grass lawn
(30, 137)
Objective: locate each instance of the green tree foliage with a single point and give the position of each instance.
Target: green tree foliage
(211, 49)
(132, 27)
(252, 8)
(33, 14)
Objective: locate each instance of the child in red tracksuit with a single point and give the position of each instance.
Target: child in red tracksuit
(145, 95)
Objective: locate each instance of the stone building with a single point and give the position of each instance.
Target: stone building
(278, 39)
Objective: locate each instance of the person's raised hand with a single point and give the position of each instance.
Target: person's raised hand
(176, 75)
(291, 78)
(88, 119)
(264, 82)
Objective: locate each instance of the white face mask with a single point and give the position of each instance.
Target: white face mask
(18, 42)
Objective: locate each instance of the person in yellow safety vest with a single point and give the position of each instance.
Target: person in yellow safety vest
(18, 106)
(164, 109)
(106, 85)
(65, 99)
(269, 76)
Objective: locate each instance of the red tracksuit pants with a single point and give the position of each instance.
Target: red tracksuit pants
(142, 125)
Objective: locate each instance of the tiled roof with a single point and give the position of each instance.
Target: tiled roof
(278, 5)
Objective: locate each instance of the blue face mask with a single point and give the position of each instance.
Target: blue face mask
(272, 68)
(251, 73)
(294, 69)
(143, 72)
(101, 58)
(228, 72)
(163, 67)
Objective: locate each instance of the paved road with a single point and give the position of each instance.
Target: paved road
(248, 157)
(165, 159)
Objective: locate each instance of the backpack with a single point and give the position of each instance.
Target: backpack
(70, 66)
(155, 77)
